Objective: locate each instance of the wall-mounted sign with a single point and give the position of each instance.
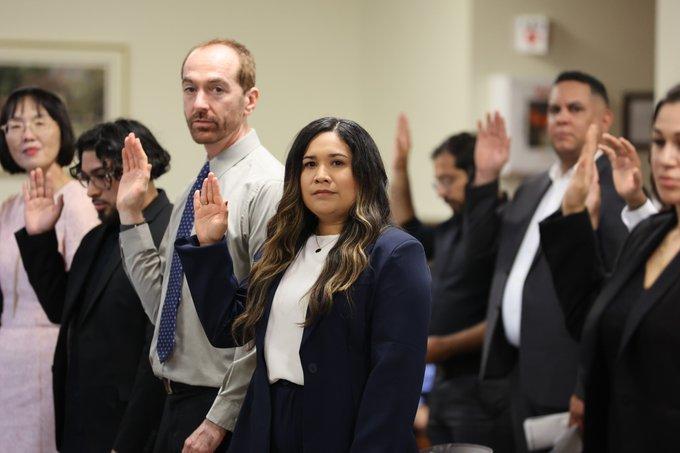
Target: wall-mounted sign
(532, 34)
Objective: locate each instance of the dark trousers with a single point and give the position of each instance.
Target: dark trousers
(184, 410)
(522, 408)
(464, 409)
(286, 427)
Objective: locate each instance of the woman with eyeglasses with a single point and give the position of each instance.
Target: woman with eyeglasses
(36, 133)
(628, 322)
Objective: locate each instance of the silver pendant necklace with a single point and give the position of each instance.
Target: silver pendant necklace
(319, 246)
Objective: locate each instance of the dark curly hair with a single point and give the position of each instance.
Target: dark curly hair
(107, 140)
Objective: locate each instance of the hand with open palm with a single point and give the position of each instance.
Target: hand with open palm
(492, 149)
(134, 182)
(583, 191)
(626, 169)
(210, 212)
(41, 211)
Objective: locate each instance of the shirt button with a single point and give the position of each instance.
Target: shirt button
(312, 368)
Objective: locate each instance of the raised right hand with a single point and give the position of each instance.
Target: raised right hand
(41, 212)
(402, 143)
(210, 212)
(134, 182)
(492, 149)
(626, 169)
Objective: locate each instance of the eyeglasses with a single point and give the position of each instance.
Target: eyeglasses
(15, 128)
(102, 179)
(443, 183)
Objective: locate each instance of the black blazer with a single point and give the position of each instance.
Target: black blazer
(549, 355)
(363, 361)
(113, 357)
(649, 395)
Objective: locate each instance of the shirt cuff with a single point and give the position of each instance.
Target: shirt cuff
(631, 217)
(224, 412)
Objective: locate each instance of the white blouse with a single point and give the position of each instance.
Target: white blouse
(289, 309)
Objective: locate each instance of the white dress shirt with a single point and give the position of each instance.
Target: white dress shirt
(289, 309)
(514, 287)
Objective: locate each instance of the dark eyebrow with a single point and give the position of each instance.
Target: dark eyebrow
(575, 104)
(339, 155)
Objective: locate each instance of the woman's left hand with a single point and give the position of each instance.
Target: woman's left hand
(584, 188)
(210, 212)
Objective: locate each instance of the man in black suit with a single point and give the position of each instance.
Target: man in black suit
(461, 409)
(105, 395)
(526, 337)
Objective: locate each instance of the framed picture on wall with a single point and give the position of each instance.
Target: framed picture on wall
(638, 108)
(523, 101)
(92, 79)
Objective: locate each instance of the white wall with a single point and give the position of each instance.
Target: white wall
(306, 54)
(362, 59)
(667, 46)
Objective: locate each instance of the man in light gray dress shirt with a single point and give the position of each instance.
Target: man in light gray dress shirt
(218, 83)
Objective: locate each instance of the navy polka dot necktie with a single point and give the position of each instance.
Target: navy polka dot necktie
(166, 331)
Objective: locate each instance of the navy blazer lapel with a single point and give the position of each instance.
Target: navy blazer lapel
(82, 264)
(656, 292)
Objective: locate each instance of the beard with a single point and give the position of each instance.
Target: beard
(213, 129)
(109, 215)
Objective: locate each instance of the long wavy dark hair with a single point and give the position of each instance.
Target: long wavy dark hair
(294, 223)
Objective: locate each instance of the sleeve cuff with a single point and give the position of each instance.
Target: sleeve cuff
(631, 217)
(224, 412)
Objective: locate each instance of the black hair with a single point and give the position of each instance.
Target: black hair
(107, 141)
(54, 107)
(671, 97)
(596, 86)
(462, 147)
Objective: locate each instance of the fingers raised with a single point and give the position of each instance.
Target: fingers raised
(215, 187)
(204, 192)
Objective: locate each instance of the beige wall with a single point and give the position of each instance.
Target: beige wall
(306, 52)
(667, 45)
(363, 59)
(612, 39)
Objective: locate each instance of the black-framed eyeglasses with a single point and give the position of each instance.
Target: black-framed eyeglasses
(101, 178)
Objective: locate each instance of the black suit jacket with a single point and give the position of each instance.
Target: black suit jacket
(117, 390)
(548, 355)
(363, 361)
(649, 395)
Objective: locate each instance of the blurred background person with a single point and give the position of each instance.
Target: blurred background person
(627, 321)
(106, 396)
(462, 409)
(36, 134)
(526, 337)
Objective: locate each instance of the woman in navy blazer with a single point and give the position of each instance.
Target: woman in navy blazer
(362, 342)
(627, 322)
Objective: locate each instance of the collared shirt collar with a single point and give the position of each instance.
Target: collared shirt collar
(232, 155)
(556, 173)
